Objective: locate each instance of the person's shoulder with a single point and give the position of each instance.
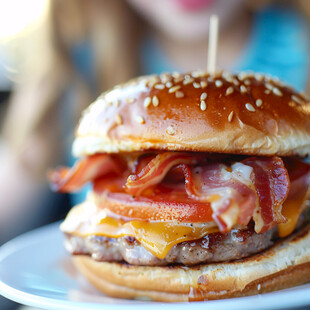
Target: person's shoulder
(281, 17)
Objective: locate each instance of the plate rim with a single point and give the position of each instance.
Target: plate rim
(32, 237)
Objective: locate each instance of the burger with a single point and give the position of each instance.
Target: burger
(199, 188)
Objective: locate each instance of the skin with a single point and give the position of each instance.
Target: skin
(183, 31)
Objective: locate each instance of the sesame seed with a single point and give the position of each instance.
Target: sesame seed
(151, 84)
(243, 75)
(140, 119)
(153, 80)
(229, 90)
(203, 84)
(165, 80)
(236, 82)
(267, 91)
(269, 86)
(177, 80)
(159, 86)
(197, 74)
(188, 81)
(277, 91)
(203, 105)
(118, 119)
(297, 99)
(218, 83)
(165, 77)
(176, 74)
(247, 82)
(179, 94)
(174, 88)
(259, 102)
(130, 100)
(249, 107)
(210, 79)
(258, 287)
(169, 84)
(227, 76)
(203, 96)
(259, 77)
(243, 89)
(268, 77)
(229, 79)
(250, 74)
(155, 101)
(196, 85)
(230, 116)
(170, 131)
(147, 101)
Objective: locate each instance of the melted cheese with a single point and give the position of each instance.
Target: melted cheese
(292, 208)
(157, 237)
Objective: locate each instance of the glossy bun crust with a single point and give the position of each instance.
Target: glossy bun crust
(242, 114)
(284, 265)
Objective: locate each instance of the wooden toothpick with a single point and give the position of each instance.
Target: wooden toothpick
(212, 48)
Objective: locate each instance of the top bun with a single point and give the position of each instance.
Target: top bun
(246, 113)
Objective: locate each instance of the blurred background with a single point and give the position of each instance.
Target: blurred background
(57, 56)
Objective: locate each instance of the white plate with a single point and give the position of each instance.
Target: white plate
(36, 271)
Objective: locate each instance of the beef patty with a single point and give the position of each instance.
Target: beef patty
(215, 247)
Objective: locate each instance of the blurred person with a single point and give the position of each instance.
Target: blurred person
(91, 45)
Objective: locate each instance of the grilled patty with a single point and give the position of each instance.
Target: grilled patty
(215, 247)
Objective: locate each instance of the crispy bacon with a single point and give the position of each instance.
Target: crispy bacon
(155, 171)
(141, 162)
(272, 185)
(233, 194)
(66, 179)
(227, 189)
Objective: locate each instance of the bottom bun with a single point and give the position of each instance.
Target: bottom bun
(284, 265)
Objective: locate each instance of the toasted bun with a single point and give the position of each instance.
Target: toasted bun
(284, 265)
(240, 114)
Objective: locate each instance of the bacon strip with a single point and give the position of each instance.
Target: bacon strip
(211, 193)
(272, 185)
(227, 190)
(155, 171)
(234, 198)
(254, 188)
(66, 179)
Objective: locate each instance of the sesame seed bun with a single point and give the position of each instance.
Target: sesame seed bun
(240, 114)
(284, 265)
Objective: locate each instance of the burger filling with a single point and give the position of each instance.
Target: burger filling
(187, 208)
